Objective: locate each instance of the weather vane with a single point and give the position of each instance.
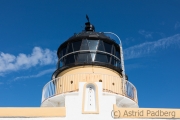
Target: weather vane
(87, 17)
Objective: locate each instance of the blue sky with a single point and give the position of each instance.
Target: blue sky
(31, 31)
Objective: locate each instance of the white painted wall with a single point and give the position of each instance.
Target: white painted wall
(73, 104)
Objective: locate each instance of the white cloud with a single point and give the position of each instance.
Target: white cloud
(36, 75)
(128, 40)
(149, 47)
(39, 56)
(177, 25)
(145, 33)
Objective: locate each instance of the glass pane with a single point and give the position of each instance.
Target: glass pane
(101, 57)
(70, 48)
(113, 50)
(63, 52)
(129, 90)
(108, 58)
(118, 64)
(61, 63)
(107, 47)
(93, 56)
(93, 44)
(101, 46)
(112, 60)
(60, 54)
(64, 60)
(76, 45)
(84, 57)
(76, 56)
(70, 59)
(117, 54)
(84, 45)
(89, 59)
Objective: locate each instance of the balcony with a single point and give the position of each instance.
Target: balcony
(70, 83)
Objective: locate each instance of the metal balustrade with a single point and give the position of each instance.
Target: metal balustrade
(130, 90)
(70, 83)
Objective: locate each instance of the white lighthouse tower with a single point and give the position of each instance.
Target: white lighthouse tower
(89, 84)
(90, 77)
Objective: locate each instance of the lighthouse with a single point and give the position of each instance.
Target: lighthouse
(89, 83)
(90, 76)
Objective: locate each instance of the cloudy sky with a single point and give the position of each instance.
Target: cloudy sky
(31, 31)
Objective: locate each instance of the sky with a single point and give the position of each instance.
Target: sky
(32, 30)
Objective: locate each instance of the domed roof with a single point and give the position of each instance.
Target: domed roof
(88, 48)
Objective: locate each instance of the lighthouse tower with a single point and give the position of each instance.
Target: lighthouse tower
(90, 77)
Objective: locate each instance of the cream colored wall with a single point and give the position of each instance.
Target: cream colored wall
(70, 78)
(89, 69)
(33, 112)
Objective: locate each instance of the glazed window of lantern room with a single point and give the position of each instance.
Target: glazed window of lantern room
(77, 45)
(88, 51)
(107, 47)
(93, 44)
(84, 45)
